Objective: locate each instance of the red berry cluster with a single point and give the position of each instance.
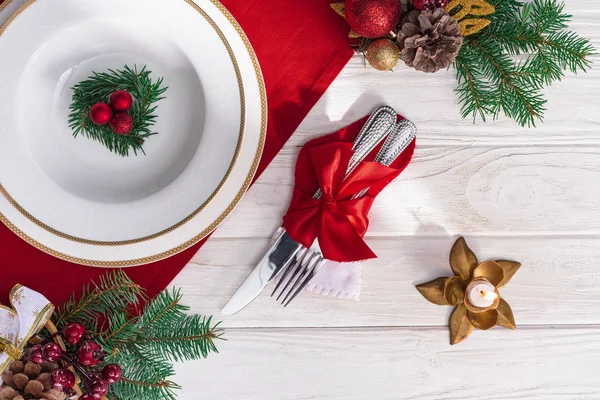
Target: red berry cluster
(116, 113)
(429, 4)
(87, 355)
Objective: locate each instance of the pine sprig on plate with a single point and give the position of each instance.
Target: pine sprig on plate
(98, 88)
(144, 344)
(526, 48)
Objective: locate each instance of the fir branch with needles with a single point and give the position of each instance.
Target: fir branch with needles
(98, 88)
(145, 344)
(527, 47)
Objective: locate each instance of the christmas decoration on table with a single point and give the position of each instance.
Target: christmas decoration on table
(429, 40)
(474, 292)
(335, 224)
(117, 108)
(505, 52)
(104, 345)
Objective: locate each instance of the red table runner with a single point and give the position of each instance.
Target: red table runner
(301, 47)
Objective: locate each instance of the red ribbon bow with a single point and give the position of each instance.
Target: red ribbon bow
(337, 220)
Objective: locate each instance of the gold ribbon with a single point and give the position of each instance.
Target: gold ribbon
(8, 348)
(29, 313)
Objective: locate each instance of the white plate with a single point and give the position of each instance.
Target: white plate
(72, 197)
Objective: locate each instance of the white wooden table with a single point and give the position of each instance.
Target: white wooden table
(532, 195)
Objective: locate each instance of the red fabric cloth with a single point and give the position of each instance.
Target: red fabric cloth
(338, 221)
(301, 47)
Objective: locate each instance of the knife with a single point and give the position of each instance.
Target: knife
(283, 251)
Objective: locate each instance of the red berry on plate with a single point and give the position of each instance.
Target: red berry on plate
(62, 379)
(121, 123)
(121, 100)
(52, 352)
(73, 333)
(99, 389)
(36, 355)
(88, 354)
(87, 396)
(112, 373)
(101, 113)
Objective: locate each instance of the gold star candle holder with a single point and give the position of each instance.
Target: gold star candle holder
(474, 292)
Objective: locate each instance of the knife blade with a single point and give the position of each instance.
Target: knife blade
(283, 251)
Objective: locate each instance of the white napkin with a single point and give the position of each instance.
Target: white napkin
(340, 280)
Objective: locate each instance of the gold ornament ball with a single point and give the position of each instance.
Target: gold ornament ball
(383, 54)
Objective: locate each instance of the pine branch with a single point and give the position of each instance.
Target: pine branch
(115, 292)
(143, 345)
(189, 338)
(490, 81)
(472, 88)
(98, 88)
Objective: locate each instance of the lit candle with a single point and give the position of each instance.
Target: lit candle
(481, 293)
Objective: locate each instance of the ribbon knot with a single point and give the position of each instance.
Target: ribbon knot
(29, 313)
(338, 220)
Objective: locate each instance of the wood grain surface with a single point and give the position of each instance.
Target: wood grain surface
(531, 195)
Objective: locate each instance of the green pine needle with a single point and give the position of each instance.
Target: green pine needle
(493, 77)
(144, 345)
(115, 292)
(98, 88)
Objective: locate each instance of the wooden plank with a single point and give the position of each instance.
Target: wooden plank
(468, 190)
(558, 283)
(397, 364)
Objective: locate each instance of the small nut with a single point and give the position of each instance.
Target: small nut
(8, 378)
(32, 370)
(34, 388)
(44, 378)
(20, 381)
(16, 367)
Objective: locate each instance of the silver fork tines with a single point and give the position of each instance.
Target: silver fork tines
(302, 270)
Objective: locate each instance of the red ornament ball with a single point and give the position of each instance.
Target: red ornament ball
(121, 100)
(121, 123)
(112, 373)
(73, 333)
(87, 396)
(101, 113)
(429, 4)
(89, 354)
(373, 18)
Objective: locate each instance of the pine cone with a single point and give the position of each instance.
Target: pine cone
(429, 40)
(29, 381)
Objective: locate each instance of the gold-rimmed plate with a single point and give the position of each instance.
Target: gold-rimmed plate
(75, 199)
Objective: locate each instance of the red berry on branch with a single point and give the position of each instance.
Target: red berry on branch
(87, 396)
(73, 333)
(112, 373)
(121, 100)
(99, 389)
(36, 354)
(62, 379)
(121, 123)
(88, 354)
(52, 352)
(373, 18)
(101, 113)
(70, 382)
(429, 4)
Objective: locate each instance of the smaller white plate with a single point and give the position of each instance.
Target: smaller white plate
(78, 201)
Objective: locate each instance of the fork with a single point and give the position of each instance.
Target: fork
(307, 263)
